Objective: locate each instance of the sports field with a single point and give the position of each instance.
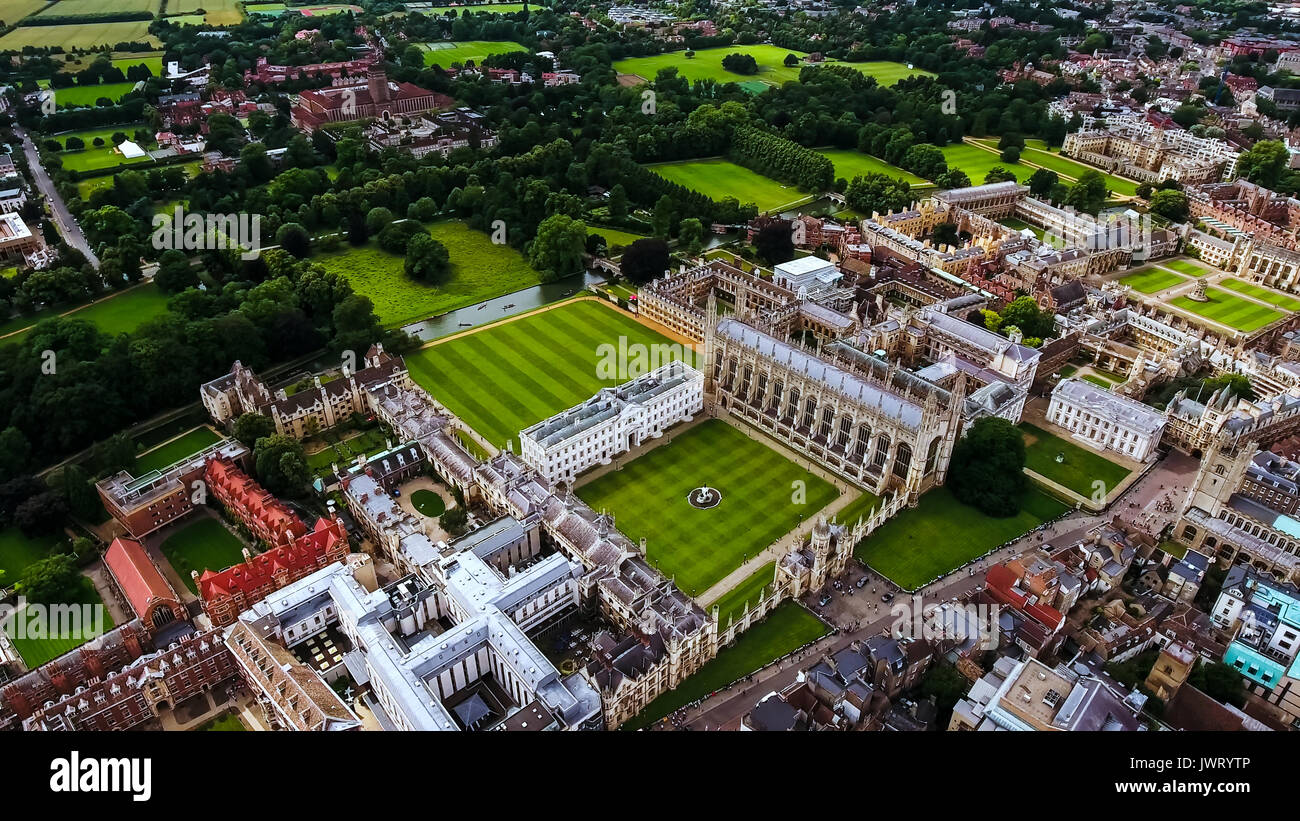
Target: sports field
(941, 534)
(1082, 466)
(720, 178)
(1268, 295)
(95, 159)
(785, 629)
(504, 378)
(1230, 310)
(79, 36)
(203, 544)
(446, 53)
(176, 450)
(648, 498)
(977, 162)
(1186, 266)
(1151, 280)
(120, 313)
(707, 65)
(89, 95)
(479, 270)
(850, 164)
(38, 651)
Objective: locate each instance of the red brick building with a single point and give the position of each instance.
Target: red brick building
(265, 516)
(154, 601)
(375, 97)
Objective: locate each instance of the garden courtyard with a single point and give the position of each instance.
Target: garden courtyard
(203, 544)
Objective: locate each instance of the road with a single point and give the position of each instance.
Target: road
(862, 615)
(63, 220)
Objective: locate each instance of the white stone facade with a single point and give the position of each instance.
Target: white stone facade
(1104, 420)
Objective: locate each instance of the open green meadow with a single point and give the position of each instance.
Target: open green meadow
(70, 8)
(76, 36)
(446, 53)
(219, 12)
(17, 551)
(11, 11)
(38, 651)
(1229, 310)
(479, 270)
(507, 377)
(648, 498)
(941, 534)
(718, 178)
(786, 629)
(977, 162)
(1268, 295)
(850, 164)
(119, 313)
(203, 544)
(1081, 467)
(176, 450)
(1186, 266)
(707, 65)
(1151, 280)
(480, 8)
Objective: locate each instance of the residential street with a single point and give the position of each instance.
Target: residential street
(63, 220)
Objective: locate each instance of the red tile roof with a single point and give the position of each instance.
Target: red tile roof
(139, 579)
(1000, 582)
(297, 559)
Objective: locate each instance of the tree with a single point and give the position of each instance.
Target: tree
(877, 193)
(791, 60)
(41, 514)
(250, 427)
(427, 259)
(690, 233)
(644, 260)
(665, 215)
(281, 465)
(953, 178)
(945, 233)
(1088, 194)
(1172, 205)
(293, 238)
(1024, 313)
(1264, 162)
(740, 63)
(1237, 384)
(1220, 682)
(396, 238)
(618, 201)
(1042, 181)
(377, 219)
(51, 580)
(774, 242)
(1010, 155)
(15, 450)
(987, 469)
(454, 520)
(557, 249)
(999, 174)
(175, 273)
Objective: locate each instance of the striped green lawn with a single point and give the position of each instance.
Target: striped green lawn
(1185, 266)
(977, 162)
(1268, 295)
(38, 651)
(732, 603)
(1151, 280)
(505, 378)
(1230, 310)
(718, 178)
(699, 547)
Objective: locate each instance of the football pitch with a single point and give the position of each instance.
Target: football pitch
(1227, 309)
(506, 377)
(648, 498)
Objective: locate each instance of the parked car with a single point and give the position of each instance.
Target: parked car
(888, 597)
(825, 599)
(860, 582)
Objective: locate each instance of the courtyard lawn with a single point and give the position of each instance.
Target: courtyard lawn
(446, 53)
(732, 603)
(860, 507)
(1268, 295)
(118, 313)
(203, 544)
(977, 162)
(1098, 381)
(428, 503)
(1185, 266)
(176, 450)
(38, 651)
(707, 65)
(79, 36)
(718, 178)
(1230, 310)
(1020, 225)
(941, 534)
(226, 722)
(786, 629)
(506, 377)
(648, 498)
(850, 164)
(1151, 280)
(1081, 467)
(479, 270)
(17, 551)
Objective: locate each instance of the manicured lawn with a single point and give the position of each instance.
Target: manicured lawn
(1081, 467)
(1230, 310)
(785, 629)
(732, 603)
(1151, 280)
(1097, 380)
(1020, 225)
(203, 544)
(176, 450)
(1185, 266)
(1268, 295)
(614, 236)
(850, 164)
(507, 377)
(106, 134)
(479, 270)
(977, 162)
(446, 53)
(484, 8)
(94, 159)
(699, 547)
(860, 507)
(89, 95)
(226, 722)
(17, 551)
(117, 313)
(85, 626)
(707, 65)
(941, 533)
(428, 503)
(718, 178)
(1070, 168)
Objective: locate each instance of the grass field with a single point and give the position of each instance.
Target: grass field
(494, 380)
(11, 11)
(1230, 310)
(732, 603)
(69, 8)
(977, 162)
(614, 236)
(1151, 280)
(1037, 153)
(17, 551)
(38, 651)
(707, 65)
(699, 547)
(786, 629)
(203, 544)
(479, 270)
(1275, 298)
(1186, 266)
(79, 36)
(120, 313)
(446, 53)
(176, 450)
(484, 8)
(718, 178)
(219, 12)
(1081, 467)
(428, 503)
(226, 722)
(941, 534)
(89, 95)
(1020, 225)
(850, 164)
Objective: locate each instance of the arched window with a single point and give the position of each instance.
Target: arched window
(882, 450)
(932, 456)
(903, 460)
